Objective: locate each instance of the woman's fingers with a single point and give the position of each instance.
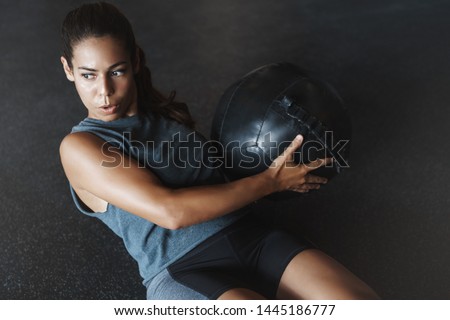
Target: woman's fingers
(291, 176)
(313, 165)
(306, 187)
(309, 178)
(311, 182)
(287, 153)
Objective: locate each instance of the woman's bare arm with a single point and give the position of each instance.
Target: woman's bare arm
(139, 191)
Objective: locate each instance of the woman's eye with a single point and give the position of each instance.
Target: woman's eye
(88, 76)
(117, 73)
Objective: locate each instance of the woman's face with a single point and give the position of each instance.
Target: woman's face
(104, 78)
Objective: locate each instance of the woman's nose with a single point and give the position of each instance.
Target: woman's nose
(106, 88)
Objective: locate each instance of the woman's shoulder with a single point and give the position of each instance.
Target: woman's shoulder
(82, 154)
(79, 142)
(75, 137)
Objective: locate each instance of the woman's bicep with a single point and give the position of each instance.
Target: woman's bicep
(92, 165)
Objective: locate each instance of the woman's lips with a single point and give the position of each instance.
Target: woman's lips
(109, 109)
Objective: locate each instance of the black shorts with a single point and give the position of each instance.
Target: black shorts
(246, 254)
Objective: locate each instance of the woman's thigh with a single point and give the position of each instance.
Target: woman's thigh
(164, 287)
(312, 274)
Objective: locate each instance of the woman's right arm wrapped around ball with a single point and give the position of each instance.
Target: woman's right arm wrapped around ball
(139, 191)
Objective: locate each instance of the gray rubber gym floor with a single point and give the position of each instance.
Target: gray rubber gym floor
(387, 218)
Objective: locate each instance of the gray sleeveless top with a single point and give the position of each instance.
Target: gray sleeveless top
(174, 154)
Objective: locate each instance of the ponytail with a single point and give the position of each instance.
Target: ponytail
(151, 99)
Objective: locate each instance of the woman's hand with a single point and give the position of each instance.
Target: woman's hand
(287, 175)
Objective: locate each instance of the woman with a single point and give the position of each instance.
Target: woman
(192, 233)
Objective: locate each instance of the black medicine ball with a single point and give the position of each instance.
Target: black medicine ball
(259, 115)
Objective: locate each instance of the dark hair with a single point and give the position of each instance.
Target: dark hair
(103, 19)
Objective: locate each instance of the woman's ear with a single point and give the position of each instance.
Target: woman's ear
(67, 70)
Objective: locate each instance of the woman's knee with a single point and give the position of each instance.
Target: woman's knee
(240, 294)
